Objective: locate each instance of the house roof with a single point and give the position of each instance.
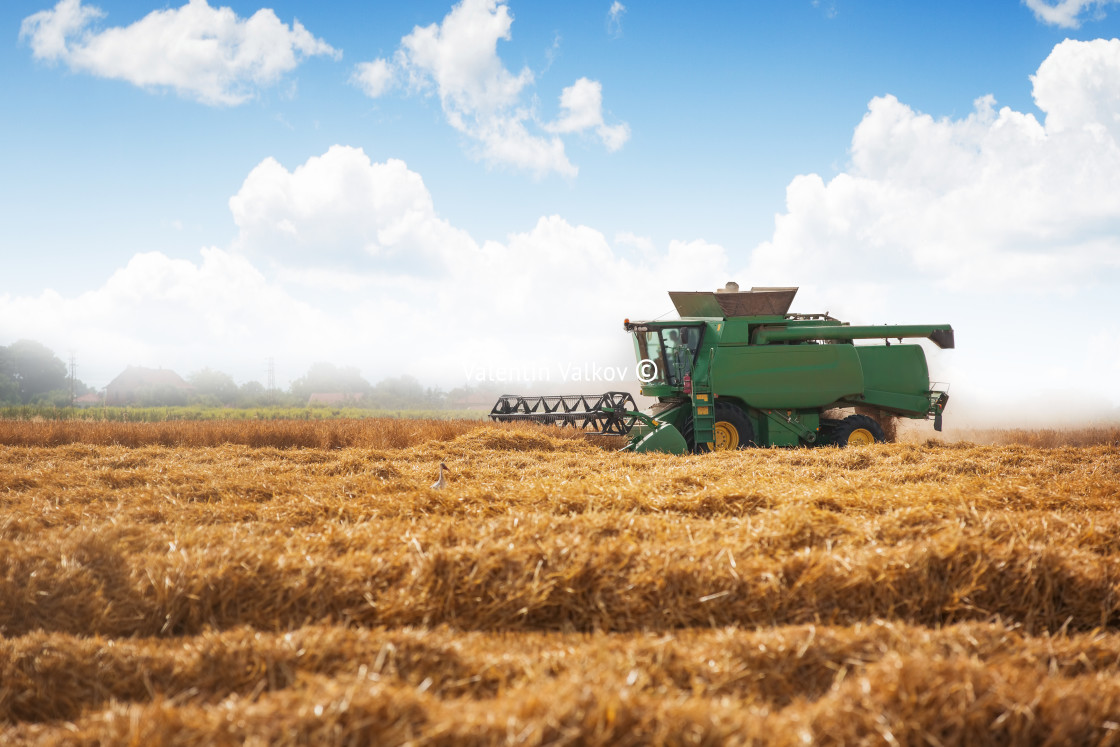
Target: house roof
(136, 377)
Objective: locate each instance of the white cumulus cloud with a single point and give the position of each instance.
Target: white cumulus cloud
(484, 100)
(348, 260)
(1078, 86)
(582, 106)
(1067, 13)
(344, 223)
(203, 53)
(339, 209)
(374, 78)
(175, 313)
(996, 199)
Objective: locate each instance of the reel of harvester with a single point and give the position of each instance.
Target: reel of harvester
(612, 413)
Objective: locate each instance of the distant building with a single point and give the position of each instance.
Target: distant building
(472, 401)
(333, 399)
(91, 399)
(147, 386)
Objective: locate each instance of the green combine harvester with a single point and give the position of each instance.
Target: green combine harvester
(737, 370)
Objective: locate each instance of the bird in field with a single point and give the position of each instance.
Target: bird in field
(442, 481)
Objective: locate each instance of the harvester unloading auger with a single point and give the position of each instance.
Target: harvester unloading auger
(738, 370)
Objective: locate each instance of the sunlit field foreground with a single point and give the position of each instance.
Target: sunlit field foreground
(300, 583)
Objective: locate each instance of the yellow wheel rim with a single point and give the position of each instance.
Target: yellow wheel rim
(860, 437)
(725, 436)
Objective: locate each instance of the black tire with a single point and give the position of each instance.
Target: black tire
(857, 430)
(732, 430)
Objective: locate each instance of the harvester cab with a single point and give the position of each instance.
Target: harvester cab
(737, 370)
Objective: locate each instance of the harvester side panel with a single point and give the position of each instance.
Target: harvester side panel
(895, 377)
(787, 376)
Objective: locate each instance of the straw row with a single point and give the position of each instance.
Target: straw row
(580, 575)
(877, 682)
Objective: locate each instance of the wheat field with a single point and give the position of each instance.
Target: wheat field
(282, 582)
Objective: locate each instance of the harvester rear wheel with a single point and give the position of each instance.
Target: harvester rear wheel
(858, 430)
(732, 430)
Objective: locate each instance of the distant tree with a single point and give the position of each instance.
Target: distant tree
(34, 369)
(404, 392)
(252, 394)
(9, 387)
(55, 398)
(213, 387)
(326, 377)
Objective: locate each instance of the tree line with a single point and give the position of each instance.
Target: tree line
(31, 374)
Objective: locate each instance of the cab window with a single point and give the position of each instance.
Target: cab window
(680, 345)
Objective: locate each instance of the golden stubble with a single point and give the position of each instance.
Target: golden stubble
(298, 582)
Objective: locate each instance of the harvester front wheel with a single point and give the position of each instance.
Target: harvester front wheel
(732, 430)
(858, 430)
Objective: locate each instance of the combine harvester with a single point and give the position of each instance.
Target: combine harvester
(738, 370)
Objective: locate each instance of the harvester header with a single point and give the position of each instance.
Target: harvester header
(737, 369)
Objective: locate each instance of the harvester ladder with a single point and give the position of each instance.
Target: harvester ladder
(704, 408)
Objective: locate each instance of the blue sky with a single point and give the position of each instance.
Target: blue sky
(184, 187)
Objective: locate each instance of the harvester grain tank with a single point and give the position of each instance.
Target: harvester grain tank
(737, 370)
